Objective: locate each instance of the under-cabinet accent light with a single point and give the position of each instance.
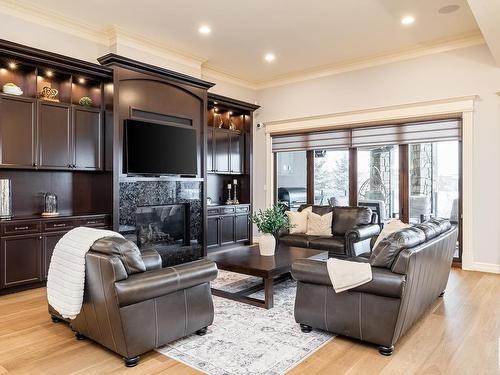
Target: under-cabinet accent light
(81, 80)
(49, 73)
(12, 65)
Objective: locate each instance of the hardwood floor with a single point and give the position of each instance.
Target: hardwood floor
(459, 335)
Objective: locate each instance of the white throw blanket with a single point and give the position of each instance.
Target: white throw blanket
(347, 275)
(66, 278)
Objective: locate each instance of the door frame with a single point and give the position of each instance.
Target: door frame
(462, 108)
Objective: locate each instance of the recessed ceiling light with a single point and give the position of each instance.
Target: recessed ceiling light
(269, 57)
(407, 20)
(449, 9)
(49, 73)
(204, 29)
(12, 65)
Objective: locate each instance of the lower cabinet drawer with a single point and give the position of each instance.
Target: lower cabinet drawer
(59, 225)
(20, 228)
(93, 222)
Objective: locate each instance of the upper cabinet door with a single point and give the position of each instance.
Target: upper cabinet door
(88, 137)
(221, 140)
(17, 132)
(237, 150)
(54, 135)
(210, 149)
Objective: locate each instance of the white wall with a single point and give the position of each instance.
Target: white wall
(457, 73)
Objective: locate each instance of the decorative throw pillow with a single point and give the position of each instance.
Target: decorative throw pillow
(298, 220)
(319, 225)
(392, 226)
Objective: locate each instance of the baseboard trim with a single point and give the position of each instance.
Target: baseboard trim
(485, 267)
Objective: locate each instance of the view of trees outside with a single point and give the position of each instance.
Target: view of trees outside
(331, 176)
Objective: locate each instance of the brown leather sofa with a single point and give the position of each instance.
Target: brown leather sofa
(382, 310)
(132, 305)
(352, 231)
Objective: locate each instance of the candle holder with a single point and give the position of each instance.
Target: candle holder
(229, 200)
(235, 199)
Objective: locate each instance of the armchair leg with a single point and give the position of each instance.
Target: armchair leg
(441, 294)
(79, 336)
(386, 350)
(131, 362)
(305, 328)
(55, 319)
(202, 331)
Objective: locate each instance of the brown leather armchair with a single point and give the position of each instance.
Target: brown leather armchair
(132, 305)
(382, 310)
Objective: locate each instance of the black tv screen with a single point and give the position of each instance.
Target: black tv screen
(157, 149)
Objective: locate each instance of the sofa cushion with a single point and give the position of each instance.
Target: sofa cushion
(392, 226)
(298, 220)
(125, 250)
(347, 218)
(430, 229)
(444, 224)
(319, 225)
(330, 244)
(298, 240)
(388, 249)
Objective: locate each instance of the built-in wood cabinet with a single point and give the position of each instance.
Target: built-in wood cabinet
(87, 139)
(18, 132)
(227, 225)
(26, 246)
(54, 135)
(225, 151)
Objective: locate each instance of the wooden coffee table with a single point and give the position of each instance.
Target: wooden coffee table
(248, 261)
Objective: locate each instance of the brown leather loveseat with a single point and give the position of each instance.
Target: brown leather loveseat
(352, 231)
(132, 305)
(408, 275)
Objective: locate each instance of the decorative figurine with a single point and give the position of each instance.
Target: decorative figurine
(85, 101)
(49, 94)
(50, 205)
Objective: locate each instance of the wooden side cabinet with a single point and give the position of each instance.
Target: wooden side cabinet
(21, 260)
(227, 225)
(18, 132)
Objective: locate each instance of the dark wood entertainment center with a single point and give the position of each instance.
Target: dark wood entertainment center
(76, 151)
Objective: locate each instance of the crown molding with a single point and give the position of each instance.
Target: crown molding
(424, 49)
(41, 16)
(209, 72)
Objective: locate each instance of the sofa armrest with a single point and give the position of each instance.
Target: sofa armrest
(359, 234)
(151, 259)
(159, 282)
(384, 282)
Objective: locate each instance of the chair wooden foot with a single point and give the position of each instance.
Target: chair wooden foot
(131, 362)
(202, 331)
(305, 328)
(385, 350)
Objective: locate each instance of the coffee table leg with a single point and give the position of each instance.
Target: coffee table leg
(268, 293)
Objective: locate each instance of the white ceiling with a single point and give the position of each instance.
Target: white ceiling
(303, 35)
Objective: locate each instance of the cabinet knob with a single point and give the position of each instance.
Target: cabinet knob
(34, 164)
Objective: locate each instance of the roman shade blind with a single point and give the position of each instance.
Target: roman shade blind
(422, 132)
(312, 141)
(417, 132)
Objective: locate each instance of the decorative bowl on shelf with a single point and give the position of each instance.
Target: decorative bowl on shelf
(12, 89)
(85, 101)
(49, 94)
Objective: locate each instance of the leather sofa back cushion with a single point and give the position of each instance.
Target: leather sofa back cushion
(444, 224)
(347, 218)
(125, 250)
(384, 254)
(319, 210)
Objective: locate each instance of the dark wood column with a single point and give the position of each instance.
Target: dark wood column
(310, 176)
(404, 184)
(353, 177)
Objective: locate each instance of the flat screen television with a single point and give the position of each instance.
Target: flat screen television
(157, 149)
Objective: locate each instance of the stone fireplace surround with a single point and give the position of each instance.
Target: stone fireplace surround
(135, 194)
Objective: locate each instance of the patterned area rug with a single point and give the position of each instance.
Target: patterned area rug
(248, 340)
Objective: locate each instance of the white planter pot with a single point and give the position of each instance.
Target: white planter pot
(267, 244)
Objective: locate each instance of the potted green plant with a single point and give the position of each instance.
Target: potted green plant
(270, 222)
